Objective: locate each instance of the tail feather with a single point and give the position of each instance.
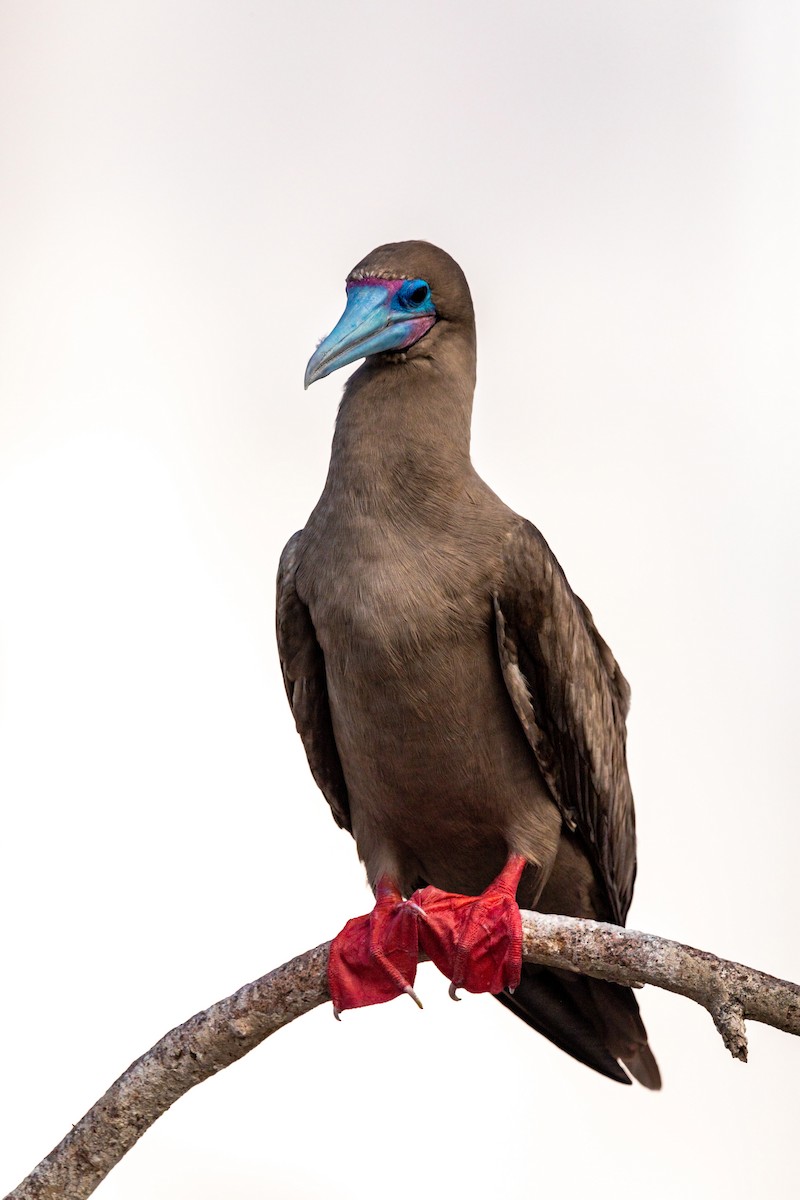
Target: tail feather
(598, 1023)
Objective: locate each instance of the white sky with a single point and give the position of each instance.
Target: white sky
(184, 188)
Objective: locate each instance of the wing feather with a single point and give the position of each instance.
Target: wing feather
(303, 666)
(572, 706)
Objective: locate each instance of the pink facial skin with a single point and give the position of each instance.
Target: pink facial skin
(417, 328)
(391, 286)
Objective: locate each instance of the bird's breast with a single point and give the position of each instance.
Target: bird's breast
(432, 753)
(388, 603)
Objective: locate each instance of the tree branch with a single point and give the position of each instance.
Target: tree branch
(730, 991)
(220, 1035)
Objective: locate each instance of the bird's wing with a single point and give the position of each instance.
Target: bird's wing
(303, 669)
(572, 700)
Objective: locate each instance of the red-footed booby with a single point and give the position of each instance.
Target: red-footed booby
(459, 710)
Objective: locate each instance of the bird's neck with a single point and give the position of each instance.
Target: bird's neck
(402, 440)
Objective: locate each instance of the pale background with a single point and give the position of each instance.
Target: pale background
(184, 188)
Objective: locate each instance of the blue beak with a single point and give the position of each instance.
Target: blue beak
(377, 318)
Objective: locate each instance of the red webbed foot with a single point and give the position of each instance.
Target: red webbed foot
(374, 958)
(476, 941)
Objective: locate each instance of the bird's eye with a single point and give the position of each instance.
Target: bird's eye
(413, 294)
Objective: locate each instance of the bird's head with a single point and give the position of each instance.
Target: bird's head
(396, 297)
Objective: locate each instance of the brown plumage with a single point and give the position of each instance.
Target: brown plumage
(455, 700)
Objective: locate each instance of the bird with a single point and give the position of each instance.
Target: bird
(459, 710)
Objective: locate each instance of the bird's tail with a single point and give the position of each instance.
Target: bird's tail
(596, 1022)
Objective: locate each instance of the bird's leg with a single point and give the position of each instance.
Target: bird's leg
(476, 941)
(374, 958)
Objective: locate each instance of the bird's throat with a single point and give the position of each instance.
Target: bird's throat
(402, 438)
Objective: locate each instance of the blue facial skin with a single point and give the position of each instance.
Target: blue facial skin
(380, 315)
